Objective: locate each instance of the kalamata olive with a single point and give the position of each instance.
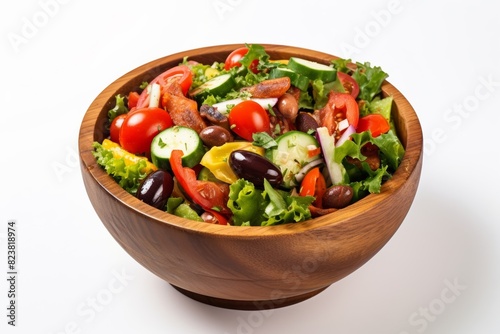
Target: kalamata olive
(305, 122)
(254, 168)
(288, 106)
(215, 135)
(337, 197)
(156, 188)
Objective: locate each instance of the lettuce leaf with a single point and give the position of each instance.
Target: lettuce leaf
(119, 108)
(369, 80)
(128, 177)
(364, 180)
(255, 207)
(284, 208)
(320, 91)
(246, 203)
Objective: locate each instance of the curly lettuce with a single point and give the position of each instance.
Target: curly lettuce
(119, 108)
(128, 176)
(363, 180)
(369, 79)
(256, 207)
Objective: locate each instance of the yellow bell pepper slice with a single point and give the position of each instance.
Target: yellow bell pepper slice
(128, 158)
(216, 159)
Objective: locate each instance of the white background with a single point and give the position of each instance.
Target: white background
(444, 56)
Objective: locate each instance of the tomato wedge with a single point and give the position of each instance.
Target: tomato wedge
(340, 106)
(206, 194)
(181, 73)
(216, 218)
(133, 97)
(350, 85)
(375, 123)
(314, 184)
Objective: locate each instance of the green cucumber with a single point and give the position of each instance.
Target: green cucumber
(177, 138)
(297, 80)
(292, 153)
(312, 69)
(217, 86)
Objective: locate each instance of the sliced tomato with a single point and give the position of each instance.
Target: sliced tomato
(340, 106)
(375, 123)
(133, 98)
(140, 127)
(181, 73)
(247, 118)
(233, 60)
(206, 194)
(213, 217)
(350, 85)
(116, 125)
(314, 184)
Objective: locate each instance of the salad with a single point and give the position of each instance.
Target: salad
(253, 141)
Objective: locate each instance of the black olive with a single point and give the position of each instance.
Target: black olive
(254, 168)
(156, 188)
(305, 122)
(338, 197)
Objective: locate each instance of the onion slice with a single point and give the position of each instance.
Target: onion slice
(266, 103)
(345, 136)
(303, 171)
(154, 96)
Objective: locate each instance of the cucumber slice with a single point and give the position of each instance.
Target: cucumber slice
(180, 138)
(297, 80)
(292, 154)
(217, 86)
(312, 69)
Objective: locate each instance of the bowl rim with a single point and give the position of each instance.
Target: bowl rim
(88, 128)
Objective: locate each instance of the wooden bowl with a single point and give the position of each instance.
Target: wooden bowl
(248, 268)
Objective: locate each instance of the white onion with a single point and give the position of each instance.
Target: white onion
(303, 171)
(265, 103)
(345, 136)
(154, 96)
(343, 124)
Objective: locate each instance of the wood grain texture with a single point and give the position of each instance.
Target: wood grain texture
(248, 267)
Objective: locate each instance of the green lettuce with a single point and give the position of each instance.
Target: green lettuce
(282, 208)
(256, 207)
(128, 177)
(119, 108)
(321, 90)
(363, 180)
(246, 203)
(369, 79)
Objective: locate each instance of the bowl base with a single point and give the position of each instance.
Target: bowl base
(248, 305)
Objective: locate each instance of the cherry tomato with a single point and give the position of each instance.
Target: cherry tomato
(314, 184)
(114, 129)
(247, 118)
(139, 128)
(182, 73)
(375, 123)
(234, 57)
(350, 85)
